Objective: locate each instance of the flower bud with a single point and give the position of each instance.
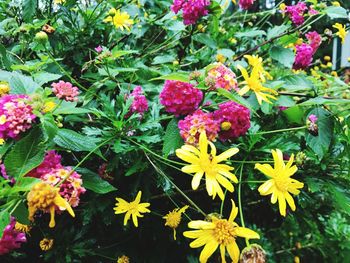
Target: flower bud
(253, 254)
(41, 37)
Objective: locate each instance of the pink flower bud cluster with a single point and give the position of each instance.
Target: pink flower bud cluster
(193, 125)
(65, 90)
(180, 98)
(305, 52)
(52, 160)
(296, 13)
(11, 238)
(71, 189)
(16, 115)
(192, 9)
(139, 104)
(236, 116)
(246, 4)
(223, 77)
(315, 40)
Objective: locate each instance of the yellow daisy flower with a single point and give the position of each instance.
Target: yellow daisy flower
(220, 233)
(202, 162)
(46, 198)
(173, 218)
(253, 83)
(256, 62)
(134, 208)
(341, 31)
(281, 184)
(119, 19)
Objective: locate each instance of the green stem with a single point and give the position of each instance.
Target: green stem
(240, 201)
(282, 130)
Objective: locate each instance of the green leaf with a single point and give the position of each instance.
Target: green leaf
(324, 101)
(335, 12)
(67, 107)
(48, 126)
(24, 184)
(297, 83)
(138, 166)
(21, 84)
(205, 39)
(74, 141)
(119, 53)
(235, 97)
(277, 30)
(179, 76)
(4, 221)
(21, 214)
(92, 181)
(45, 77)
(163, 59)
(285, 56)
(27, 154)
(28, 9)
(3, 57)
(294, 114)
(251, 33)
(172, 138)
(320, 143)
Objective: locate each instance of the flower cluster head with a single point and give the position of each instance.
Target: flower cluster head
(121, 20)
(71, 189)
(193, 125)
(223, 77)
(65, 90)
(192, 9)
(209, 164)
(180, 98)
(280, 184)
(173, 218)
(139, 103)
(44, 197)
(52, 161)
(234, 120)
(133, 209)
(246, 4)
(11, 238)
(312, 125)
(296, 12)
(4, 88)
(315, 40)
(303, 57)
(16, 115)
(218, 233)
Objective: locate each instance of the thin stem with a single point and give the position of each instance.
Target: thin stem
(281, 130)
(240, 200)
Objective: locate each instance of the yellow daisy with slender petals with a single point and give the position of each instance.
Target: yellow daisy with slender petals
(173, 218)
(121, 20)
(281, 184)
(202, 162)
(341, 31)
(253, 83)
(220, 233)
(134, 209)
(45, 197)
(256, 61)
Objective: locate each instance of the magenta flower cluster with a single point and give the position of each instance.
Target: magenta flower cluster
(193, 125)
(16, 115)
(296, 13)
(246, 4)
(236, 116)
(305, 51)
(192, 9)
(11, 238)
(180, 98)
(222, 76)
(65, 90)
(52, 160)
(139, 104)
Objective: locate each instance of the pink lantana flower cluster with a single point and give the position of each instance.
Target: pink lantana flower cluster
(11, 238)
(65, 90)
(180, 98)
(305, 51)
(234, 120)
(52, 172)
(16, 115)
(139, 104)
(222, 77)
(296, 13)
(246, 4)
(193, 125)
(192, 9)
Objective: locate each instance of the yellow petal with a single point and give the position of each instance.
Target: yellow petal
(187, 156)
(193, 233)
(203, 143)
(225, 183)
(134, 219)
(290, 201)
(282, 203)
(207, 251)
(193, 168)
(265, 169)
(222, 253)
(190, 148)
(244, 90)
(243, 72)
(278, 159)
(226, 155)
(201, 240)
(246, 233)
(138, 197)
(233, 251)
(196, 180)
(265, 188)
(52, 217)
(234, 212)
(127, 217)
(290, 161)
(61, 202)
(200, 224)
(274, 196)
(229, 175)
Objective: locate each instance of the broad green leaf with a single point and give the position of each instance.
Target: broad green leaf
(24, 184)
(27, 154)
(4, 221)
(48, 126)
(294, 114)
(28, 9)
(320, 143)
(163, 59)
(138, 166)
(3, 57)
(277, 30)
(119, 53)
(179, 76)
(251, 33)
(297, 83)
(21, 84)
(335, 12)
(45, 77)
(205, 39)
(172, 138)
(67, 107)
(21, 214)
(235, 97)
(285, 56)
(324, 101)
(92, 181)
